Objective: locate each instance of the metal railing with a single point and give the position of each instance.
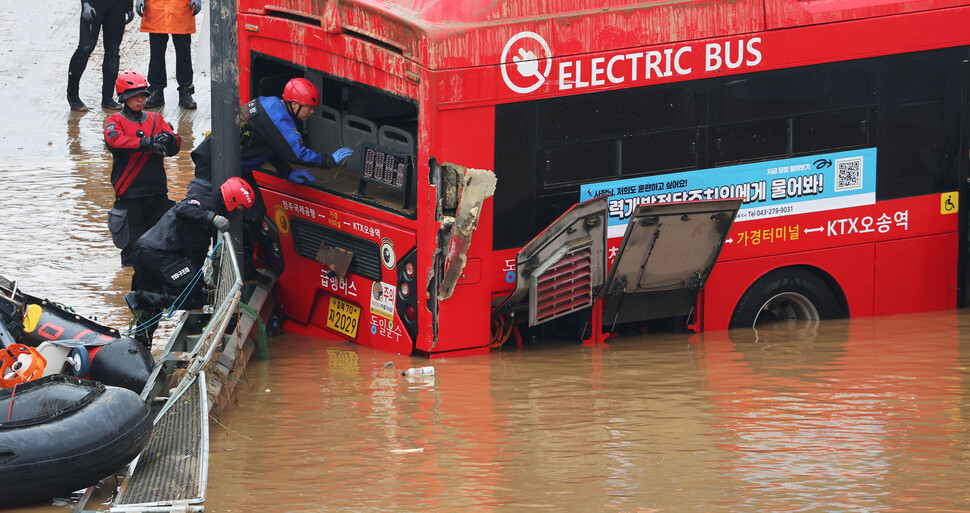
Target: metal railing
(221, 271)
(222, 275)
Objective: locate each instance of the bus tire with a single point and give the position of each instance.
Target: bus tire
(790, 293)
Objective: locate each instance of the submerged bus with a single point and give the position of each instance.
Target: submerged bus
(582, 165)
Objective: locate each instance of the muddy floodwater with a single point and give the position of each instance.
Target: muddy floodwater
(864, 415)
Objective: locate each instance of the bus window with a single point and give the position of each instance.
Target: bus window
(380, 128)
(834, 130)
(514, 198)
(658, 152)
(579, 162)
(916, 127)
(758, 140)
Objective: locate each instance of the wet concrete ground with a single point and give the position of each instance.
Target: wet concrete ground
(54, 167)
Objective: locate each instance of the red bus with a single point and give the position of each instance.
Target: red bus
(499, 144)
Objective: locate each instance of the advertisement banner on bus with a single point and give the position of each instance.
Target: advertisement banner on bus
(774, 188)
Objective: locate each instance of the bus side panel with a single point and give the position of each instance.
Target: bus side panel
(794, 13)
(729, 280)
(901, 287)
(464, 137)
(304, 289)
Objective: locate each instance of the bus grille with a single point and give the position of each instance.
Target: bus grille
(565, 287)
(308, 236)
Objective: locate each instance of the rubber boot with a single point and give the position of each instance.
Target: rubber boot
(143, 325)
(133, 301)
(109, 103)
(155, 99)
(142, 322)
(185, 97)
(76, 103)
(73, 98)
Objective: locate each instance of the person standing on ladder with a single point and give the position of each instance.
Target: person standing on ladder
(138, 141)
(159, 19)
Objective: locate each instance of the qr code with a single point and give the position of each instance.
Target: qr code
(848, 174)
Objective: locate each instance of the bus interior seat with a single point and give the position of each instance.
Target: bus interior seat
(396, 139)
(358, 131)
(325, 130)
(272, 85)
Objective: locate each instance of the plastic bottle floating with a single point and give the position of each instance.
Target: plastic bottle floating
(419, 371)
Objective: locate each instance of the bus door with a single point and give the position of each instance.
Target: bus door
(664, 259)
(665, 256)
(963, 230)
(561, 270)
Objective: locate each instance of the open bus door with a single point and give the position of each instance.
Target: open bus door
(665, 257)
(561, 270)
(963, 196)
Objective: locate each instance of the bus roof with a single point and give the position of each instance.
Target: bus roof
(441, 34)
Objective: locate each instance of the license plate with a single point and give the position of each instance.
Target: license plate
(343, 317)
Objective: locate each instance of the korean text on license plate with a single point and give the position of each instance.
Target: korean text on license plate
(343, 317)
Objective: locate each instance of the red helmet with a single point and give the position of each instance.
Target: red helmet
(302, 91)
(130, 84)
(236, 192)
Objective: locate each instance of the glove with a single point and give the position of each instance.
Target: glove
(342, 154)
(221, 223)
(159, 149)
(130, 15)
(166, 138)
(196, 6)
(300, 176)
(87, 12)
(140, 7)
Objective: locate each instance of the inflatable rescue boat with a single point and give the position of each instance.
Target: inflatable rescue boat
(61, 341)
(59, 434)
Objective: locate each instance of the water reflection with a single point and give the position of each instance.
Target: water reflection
(855, 416)
(862, 415)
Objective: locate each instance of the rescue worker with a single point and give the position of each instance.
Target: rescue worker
(268, 133)
(159, 19)
(138, 140)
(168, 257)
(109, 17)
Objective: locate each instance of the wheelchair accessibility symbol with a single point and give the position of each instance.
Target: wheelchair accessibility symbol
(949, 202)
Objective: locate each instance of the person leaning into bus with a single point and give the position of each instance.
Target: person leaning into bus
(169, 255)
(268, 133)
(138, 141)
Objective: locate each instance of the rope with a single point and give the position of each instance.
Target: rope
(262, 348)
(177, 303)
(10, 410)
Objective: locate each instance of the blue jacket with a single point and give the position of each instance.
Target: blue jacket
(267, 133)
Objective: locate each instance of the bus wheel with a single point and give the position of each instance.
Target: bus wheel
(788, 294)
